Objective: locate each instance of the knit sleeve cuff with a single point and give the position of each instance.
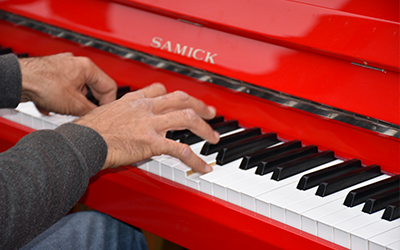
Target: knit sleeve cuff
(10, 81)
(87, 143)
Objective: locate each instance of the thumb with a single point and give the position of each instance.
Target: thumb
(82, 106)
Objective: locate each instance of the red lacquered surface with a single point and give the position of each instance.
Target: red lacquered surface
(184, 216)
(338, 28)
(281, 67)
(10, 133)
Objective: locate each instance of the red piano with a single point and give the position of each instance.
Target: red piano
(325, 73)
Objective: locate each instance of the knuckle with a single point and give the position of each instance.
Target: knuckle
(159, 86)
(142, 103)
(181, 95)
(85, 62)
(129, 95)
(190, 115)
(185, 151)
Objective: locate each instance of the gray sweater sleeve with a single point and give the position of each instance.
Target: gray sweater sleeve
(10, 81)
(45, 173)
(42, 177)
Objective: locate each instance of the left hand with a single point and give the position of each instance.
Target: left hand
(58, 83)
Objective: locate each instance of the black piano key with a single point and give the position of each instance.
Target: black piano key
(294, 167)
(268, 165)
(222, 127)
(5, 50)
(343, 181)
(122, 90)
(22, 55)
(315, 178)
(380, 201)
(215, 120)
(392, 211)
(239, 149)
(252, 160)
(176, 134)
(209, 148)
(360, 195)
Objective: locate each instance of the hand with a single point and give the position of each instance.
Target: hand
(57, 83)
(134, 127)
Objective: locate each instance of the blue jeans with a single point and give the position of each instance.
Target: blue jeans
(89, 230)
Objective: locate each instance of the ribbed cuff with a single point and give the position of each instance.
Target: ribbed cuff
(10, 81)
(86, 141)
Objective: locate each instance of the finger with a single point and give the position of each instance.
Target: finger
(82, 106)
(184, 153)
(42, 110)
(84, 90)
(186, 119)
(180, 100)
(65, 54)
(102, 86)
(151, 91)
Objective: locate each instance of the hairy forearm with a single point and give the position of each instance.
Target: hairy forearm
(42, 177)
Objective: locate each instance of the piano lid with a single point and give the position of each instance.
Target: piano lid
(312, 52)
(336, 28)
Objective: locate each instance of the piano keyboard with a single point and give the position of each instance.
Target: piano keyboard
(279, 180)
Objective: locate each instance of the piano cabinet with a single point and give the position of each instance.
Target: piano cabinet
(271, 101)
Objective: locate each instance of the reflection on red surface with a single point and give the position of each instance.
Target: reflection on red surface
(308, 54)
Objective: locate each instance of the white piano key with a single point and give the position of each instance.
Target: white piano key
(181, 173)
(220, 186)
(17, 117)
(28, 108)
(154, 165)
(234, 189)
(144, 165)
(27, 112)
(9, 114)
(385, 239)
(167, 166)
(342, 231)
(359, 237)
(275, 202)
(193, 181)
(326, 224)
(260, 195)
(233, 182)
(393, 246)
(321, 207)
(207, 180)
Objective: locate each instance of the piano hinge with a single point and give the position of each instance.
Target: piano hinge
(321, 110)
(189, 22)
(368, 67)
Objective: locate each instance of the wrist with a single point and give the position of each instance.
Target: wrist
(29, 88)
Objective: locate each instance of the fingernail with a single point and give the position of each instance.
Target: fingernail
(208, 168)
(212, 110)
(216, 134)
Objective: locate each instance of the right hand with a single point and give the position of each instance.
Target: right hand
(134, 127)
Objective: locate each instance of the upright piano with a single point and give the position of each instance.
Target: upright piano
(323, 75)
